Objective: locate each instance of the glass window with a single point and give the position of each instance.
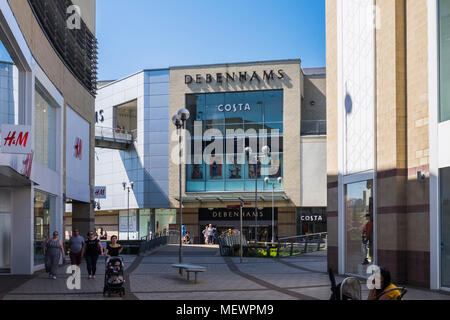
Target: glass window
(164, 218)
(359, 226)
(5, 229)
(9, 83)
(144, 223)
(44, 211)
(250, 112)
(444, 177)
(45, 129)
(128, 225)
(444, 44)
(125, 116)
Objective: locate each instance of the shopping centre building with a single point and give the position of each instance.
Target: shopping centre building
(231, 106)
(47, 94)
(388, 96)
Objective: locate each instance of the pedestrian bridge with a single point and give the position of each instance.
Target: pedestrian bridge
(110, 138)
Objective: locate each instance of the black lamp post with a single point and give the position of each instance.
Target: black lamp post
(265, 150)
(179, 121)
(124, 184)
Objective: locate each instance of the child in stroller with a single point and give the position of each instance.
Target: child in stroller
(114, 277)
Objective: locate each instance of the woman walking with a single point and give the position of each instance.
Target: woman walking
(52, 251)
(113, 249)
(93, 248)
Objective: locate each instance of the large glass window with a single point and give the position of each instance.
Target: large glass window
(444, 177)
(128, 225)
(255, 118)
(9, 93)
(44, 209)
(359, 226)
(45, 128)
(444, 45)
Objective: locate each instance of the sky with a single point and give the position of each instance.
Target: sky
(150, 34)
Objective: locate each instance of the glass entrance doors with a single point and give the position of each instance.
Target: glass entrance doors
(5, 230)
(359, 227)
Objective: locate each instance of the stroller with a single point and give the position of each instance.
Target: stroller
(114, 277)
(350, 289)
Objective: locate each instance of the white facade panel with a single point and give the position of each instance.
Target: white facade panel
(77, 164)
(358, 84)
(313, 173)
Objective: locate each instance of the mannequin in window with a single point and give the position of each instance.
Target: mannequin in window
(215, 169)
(197, 174)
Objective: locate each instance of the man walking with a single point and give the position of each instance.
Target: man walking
(76, 247)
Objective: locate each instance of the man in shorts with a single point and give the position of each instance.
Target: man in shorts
(76, 246)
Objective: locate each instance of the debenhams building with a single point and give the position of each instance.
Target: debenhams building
(232, 106)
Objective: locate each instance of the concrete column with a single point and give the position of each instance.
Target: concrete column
(22, 235)
(83, 217)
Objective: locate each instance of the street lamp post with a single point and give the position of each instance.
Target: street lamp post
(124, 184)
(266, 180)
(265, 150)
(179, 121)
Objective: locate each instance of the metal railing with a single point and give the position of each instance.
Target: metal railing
(115, 135)
(301, 244)
(313, 127)
(149, 245)
(228, 245)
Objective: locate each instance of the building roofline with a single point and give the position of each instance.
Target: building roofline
(299, 61)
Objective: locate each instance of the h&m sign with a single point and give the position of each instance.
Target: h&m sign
(229, 77)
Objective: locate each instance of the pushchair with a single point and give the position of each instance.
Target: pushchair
(350, 289)
(114, 277)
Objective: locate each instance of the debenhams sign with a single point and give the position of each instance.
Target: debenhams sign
(230, 77)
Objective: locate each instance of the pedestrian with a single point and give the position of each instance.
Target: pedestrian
(93, 248)
(43, 245)
(205, 234)
(52, 252)
(76, 246)
(387, 289)
(210, 234)
(113, 249)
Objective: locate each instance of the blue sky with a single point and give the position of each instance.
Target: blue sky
(145, 34)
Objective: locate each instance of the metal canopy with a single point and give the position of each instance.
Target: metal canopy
(234, 197)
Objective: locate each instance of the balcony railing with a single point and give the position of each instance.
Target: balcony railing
(314, 128)
(113, 138)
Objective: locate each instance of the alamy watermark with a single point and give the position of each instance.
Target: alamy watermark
(74, 19)
(74, 280)
(213, 147)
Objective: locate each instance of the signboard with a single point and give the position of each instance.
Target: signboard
(225, 214)
(173, 227)
(15, 139)
(100, 192)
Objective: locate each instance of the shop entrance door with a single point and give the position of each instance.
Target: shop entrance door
(5, 230)
(445, 227)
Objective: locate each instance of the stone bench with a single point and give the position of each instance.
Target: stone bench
(189, 268)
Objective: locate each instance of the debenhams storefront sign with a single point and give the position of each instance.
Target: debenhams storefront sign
(241, 76)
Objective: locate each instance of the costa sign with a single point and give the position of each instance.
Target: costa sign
(241, 76)
(311, 218)
(15, 139)
(234, 107)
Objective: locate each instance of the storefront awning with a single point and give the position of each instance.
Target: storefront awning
(11, 178)
(234, 197)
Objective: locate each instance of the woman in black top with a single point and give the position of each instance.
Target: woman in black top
(113, 249)
(93, 248)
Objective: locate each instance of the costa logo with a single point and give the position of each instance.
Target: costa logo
(78, 148)
(234, 107)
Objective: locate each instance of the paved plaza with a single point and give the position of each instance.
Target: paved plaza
(152, 278)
